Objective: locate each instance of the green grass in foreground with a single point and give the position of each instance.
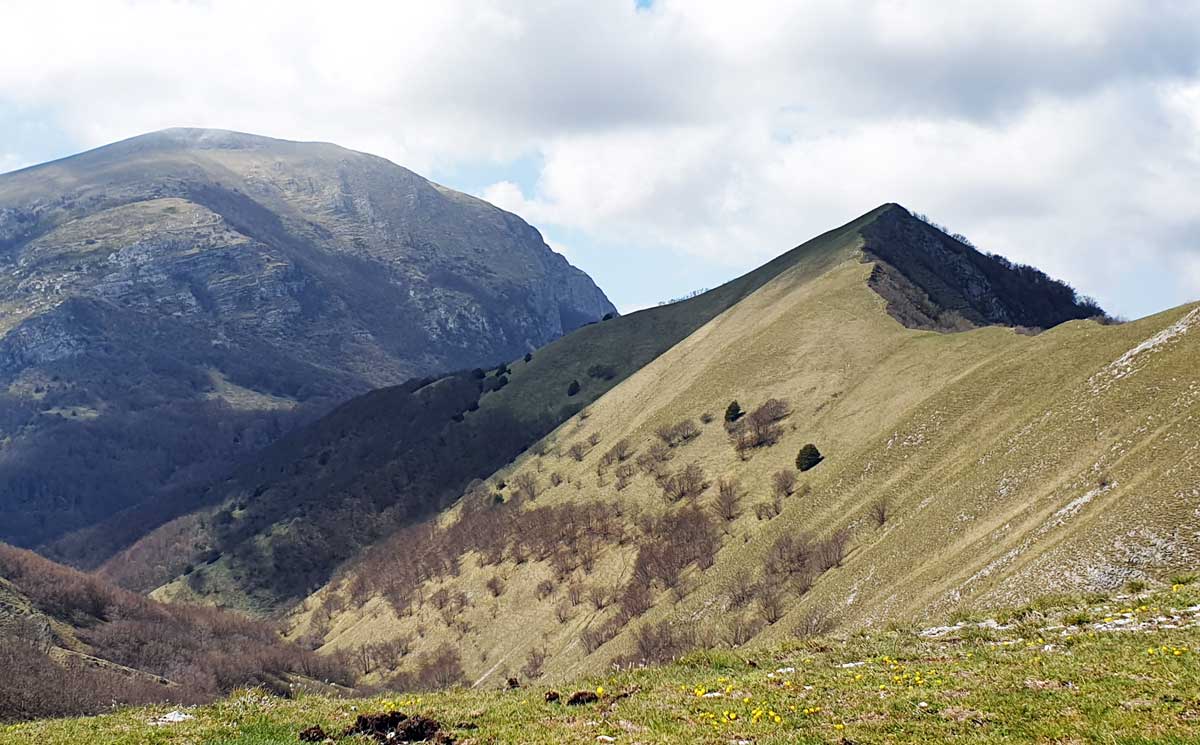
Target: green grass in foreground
(1035, 681)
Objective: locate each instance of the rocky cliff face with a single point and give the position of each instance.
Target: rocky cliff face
(300, 272)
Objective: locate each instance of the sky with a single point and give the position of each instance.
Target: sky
(667, 146)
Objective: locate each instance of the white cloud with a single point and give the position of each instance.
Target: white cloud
(1065, 134)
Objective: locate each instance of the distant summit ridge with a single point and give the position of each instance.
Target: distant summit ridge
(934, 280)
(218, 285)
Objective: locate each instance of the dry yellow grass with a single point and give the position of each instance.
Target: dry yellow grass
(1014, 466)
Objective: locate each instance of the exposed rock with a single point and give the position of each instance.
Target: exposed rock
(327, 271)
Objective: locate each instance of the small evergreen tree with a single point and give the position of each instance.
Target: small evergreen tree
(573, 388)
(734, 412)
(529, 356)
(808, 457)
(478, 374)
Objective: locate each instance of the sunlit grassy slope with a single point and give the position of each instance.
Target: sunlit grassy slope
(1013, 466)
(1118, 669)
(381, 454)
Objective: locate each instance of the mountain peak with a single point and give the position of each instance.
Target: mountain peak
(274, 277)
(938, 281)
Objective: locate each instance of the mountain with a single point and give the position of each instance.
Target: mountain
(176, 301)
(958, 471)
(399, 456)
(279, 528)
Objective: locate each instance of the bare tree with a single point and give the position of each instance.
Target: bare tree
(687, 483)
(783, 482)
(526, 485)
(728, 499)
(676, 434)
(770, 604)
(599, 596)
(625, 473)
(880, 511)
(534, 663)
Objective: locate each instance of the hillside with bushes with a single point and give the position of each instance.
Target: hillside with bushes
(72, 644)
(804, 462)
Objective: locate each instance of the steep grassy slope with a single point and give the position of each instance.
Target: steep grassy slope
(281, 526)
(1051, 674)
(961, 471)
(173, 302)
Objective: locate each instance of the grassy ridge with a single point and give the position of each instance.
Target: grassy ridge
(1012, 466)
(390, 471)
(1094, 670)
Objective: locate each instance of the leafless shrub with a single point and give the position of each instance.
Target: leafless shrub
(770, 604)
(773, 409)
(636, 599)
(442, 668)
(783, 482)
(562, 611)
(832, 550)
(674, 542)
(545, 589)
(618, 453)
(532, 669)
(392, 651)
(687, 483)
(707, 417)
(728, 498)
(760, 428)
(577, 451)
(766, 510)
(594, 637)
(575, 592)
(789, 557)
(556, 478)
(880, 511)
(364, 659)
(625, 473)
(742, 591)
(599, 596)
(526, 486)
(594, 439)
(742, 630)
(815, 624)
(679, 433)
(662, 642)
(495, 586)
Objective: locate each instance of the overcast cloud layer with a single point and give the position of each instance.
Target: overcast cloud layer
(1062, 134)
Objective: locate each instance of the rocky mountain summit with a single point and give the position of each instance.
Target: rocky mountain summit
(216, 286)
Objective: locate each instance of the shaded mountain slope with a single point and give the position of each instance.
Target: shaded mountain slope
(73, 644)
(250, 283)
(960, 471)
